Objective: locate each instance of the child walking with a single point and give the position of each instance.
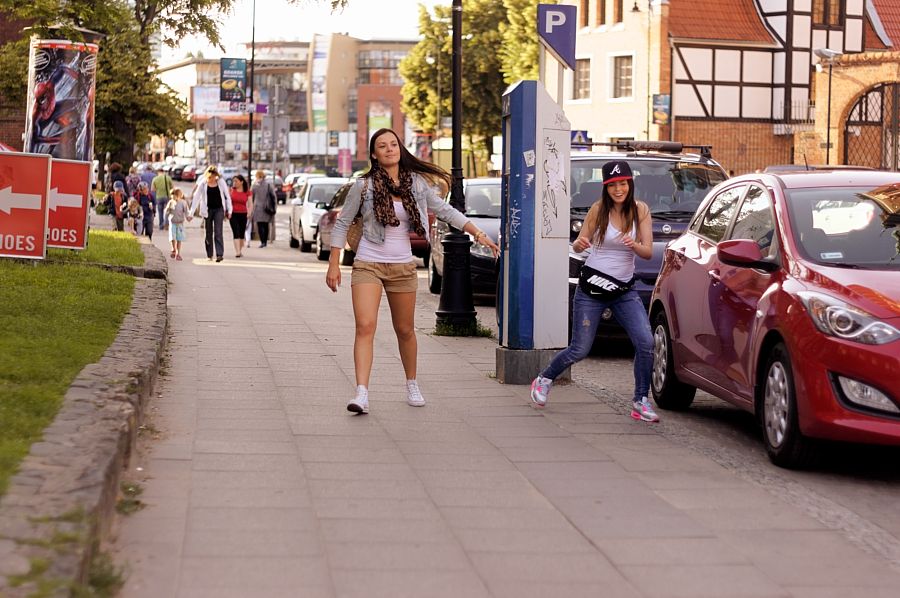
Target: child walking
(147, 206)
(177, 212)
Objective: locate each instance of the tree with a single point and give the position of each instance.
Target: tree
(430, 61)
(519, 51)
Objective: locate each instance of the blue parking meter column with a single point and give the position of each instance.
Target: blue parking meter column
(532, 302)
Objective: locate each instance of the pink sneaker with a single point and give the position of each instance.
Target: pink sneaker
(642, 410)
(178, 258)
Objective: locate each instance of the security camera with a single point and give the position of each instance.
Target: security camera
(827, 54)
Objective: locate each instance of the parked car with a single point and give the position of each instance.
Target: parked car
(310, 204)
(190, 172)
(228, 172)
(278, 185)
(670, 181)
(326, 225)
(782, 298)
(176, 171)
(301, 179)
(289, 182)
(483, 207)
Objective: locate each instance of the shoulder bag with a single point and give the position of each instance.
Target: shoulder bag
(602, 286)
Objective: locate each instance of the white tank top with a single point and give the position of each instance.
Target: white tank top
(612, 257)
(395, 249)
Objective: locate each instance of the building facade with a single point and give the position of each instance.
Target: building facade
(744, 76)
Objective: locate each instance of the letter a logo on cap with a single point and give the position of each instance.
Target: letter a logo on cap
(616, 170)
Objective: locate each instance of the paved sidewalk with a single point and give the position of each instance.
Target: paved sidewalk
(262, 485)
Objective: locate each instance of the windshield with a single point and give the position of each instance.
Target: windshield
(323, 193)
(483, 199)
(845, 227)
(664, 185)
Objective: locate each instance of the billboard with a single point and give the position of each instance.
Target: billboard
(662, 108)
(59, 118)
(232, 79)
(380, 116)
(318, 96)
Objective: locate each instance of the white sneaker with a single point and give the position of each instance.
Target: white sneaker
(540, 389)
(414, 396)
(361, 403)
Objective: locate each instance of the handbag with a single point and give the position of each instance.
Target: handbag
(602, 286)
(355, 231)
(270, 201)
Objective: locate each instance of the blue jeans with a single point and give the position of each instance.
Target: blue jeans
(632, 316)
(161, 211)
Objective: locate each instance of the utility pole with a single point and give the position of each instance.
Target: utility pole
(250, 101)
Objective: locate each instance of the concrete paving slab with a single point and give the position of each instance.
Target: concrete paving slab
(231, 543)
(409, 584)
(701, 581)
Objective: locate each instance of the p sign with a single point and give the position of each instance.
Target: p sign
(24, 189)
(556, 30)
(70, 184)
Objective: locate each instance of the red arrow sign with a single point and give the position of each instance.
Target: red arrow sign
(70, 187)
(24, 190)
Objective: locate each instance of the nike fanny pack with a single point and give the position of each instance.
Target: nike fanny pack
(600, 285)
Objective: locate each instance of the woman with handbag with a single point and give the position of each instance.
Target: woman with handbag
(212, 197)
(263, 198)
(391, 199)
(619, 228)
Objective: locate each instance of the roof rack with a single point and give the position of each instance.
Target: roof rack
(668, 147)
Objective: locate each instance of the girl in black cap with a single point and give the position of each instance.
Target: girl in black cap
(618, 228)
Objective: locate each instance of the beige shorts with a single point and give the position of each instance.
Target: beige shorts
(395, 278)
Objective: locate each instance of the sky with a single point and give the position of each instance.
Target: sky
(278, 20)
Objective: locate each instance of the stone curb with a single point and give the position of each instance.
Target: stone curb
(61, 502)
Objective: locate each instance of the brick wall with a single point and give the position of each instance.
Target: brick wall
(738, 146)
(366, 94)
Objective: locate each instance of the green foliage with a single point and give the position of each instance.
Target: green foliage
(519, 50)
(478, 329)
(56, 319)
(482, 78)
(104, 247)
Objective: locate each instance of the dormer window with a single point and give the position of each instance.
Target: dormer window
(828, 13)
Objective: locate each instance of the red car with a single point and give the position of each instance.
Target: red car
(783, 298)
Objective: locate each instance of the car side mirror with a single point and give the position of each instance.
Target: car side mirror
(322, 205)
(744, 253)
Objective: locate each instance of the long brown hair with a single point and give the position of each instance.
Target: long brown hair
(629, 212)
(408, 162)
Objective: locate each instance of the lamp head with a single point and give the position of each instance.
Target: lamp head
(827, 54)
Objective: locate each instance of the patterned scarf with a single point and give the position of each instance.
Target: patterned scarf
(384, 188)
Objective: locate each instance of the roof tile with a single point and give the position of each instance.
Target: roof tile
(889, 13)
(722, 20)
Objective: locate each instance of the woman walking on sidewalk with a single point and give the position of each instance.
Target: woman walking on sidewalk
(240, 199)
(214, 201)
(392, 198)
(618, 227)
(264, 203)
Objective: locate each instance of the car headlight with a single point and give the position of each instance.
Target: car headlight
(576, 225)
(480, 250)
(837, 318)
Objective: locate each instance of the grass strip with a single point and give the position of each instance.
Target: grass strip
(55, 318)
(105, 247)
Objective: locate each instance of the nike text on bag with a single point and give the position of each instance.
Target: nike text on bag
(602, 286)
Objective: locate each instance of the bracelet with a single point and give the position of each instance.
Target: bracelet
(480, 234)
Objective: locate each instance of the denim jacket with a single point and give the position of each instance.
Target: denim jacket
(426, 199)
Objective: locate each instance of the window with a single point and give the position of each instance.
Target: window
(581, 84)
(828, 13)
(601, 12)
(715, 221)
(754, 220)
(618, 11)
(583, 13)
(622, 76)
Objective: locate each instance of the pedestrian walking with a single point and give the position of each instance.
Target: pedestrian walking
(177, 211)
(391, 199)
(214, 201)
(264, 206)
(243, 204)
(162, 186)
(132, 181)
(115, 175)
(117, 202)
(618, 228)
(147, 207)
(134, 217)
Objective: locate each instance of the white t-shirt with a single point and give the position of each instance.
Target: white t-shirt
(395, 249)
(613, 257)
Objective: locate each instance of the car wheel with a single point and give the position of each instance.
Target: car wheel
(305, 246)
(668, 391)
(347, 257)
(785, 444)
(322, 253)
(434, 279)
(294, 243)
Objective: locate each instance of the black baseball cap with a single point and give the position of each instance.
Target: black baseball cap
(617, 170)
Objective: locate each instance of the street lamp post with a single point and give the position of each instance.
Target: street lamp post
(456, 311)
(250, 95)
(828, 56)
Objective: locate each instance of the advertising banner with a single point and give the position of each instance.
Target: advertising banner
(59, 119)
(233, 79)
(24, 190)
(345, 161)
(318, 96)
(70, 188)
(662, 108)
(380, 116)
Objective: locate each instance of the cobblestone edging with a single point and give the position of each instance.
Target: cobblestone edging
(61, 502)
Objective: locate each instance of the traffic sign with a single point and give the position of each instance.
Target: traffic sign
(24, 192)
(70, 184)
(556, 31)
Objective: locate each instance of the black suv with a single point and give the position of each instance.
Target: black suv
(669, 180)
